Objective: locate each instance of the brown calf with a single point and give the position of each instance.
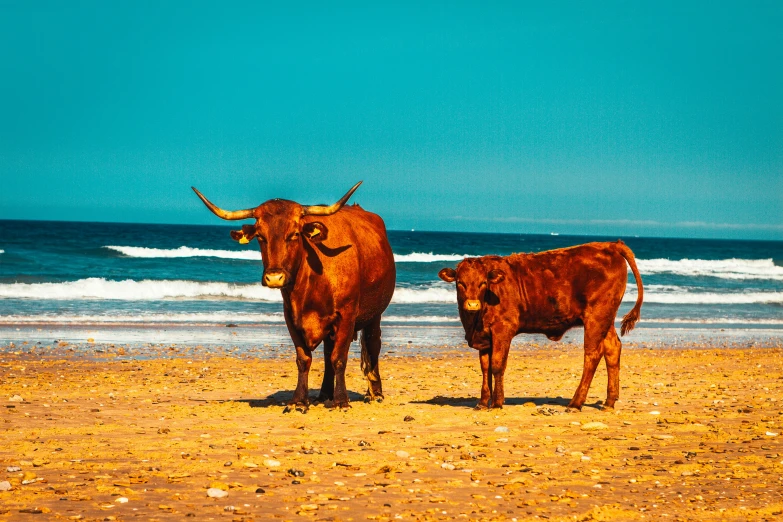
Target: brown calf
(549, 293)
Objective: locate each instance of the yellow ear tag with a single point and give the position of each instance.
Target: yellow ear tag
(244, 240)
(314, 233)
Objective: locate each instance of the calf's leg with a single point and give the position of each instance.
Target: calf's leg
(594, 335)
(486, 383)
(371, 349)
(498, 360)
(611, 348)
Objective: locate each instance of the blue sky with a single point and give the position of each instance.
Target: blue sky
(648, 118)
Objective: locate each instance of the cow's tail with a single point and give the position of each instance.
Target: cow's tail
(630, 319)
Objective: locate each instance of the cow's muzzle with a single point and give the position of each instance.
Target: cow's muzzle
(472, 305)
(275, 279)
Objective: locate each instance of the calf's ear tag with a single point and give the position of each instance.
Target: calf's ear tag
(244, 240)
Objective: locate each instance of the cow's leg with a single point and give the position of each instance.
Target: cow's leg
(611, 348)
(486, 384)
(304, 359)
(371, 349)
(498, 360)
(594, 335)
(327, 385)
(342, 342)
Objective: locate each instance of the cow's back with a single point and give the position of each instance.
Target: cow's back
(549, 292)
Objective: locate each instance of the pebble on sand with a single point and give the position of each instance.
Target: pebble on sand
(5, 486)
(501, 429)
(403, 454)
(270, 463)
(216, 493)
(594, 426)
(16, 398)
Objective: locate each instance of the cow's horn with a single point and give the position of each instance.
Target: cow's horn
(232, 215)
(321, 210)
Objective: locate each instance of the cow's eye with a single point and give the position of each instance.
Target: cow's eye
(261, 239)
(460, 284)
(293, 237)
(483, 284)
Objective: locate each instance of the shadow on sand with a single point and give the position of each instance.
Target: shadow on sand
(281, 398)
(470, 402)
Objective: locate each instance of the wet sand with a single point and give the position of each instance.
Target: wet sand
(103, 435)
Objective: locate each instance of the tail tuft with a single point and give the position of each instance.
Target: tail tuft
(629, 321)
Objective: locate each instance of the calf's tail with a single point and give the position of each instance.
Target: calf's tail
(629, 321)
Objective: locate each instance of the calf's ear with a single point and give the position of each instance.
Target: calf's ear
(448, 274)
(315, 232)
(495, 276)
(244, 236)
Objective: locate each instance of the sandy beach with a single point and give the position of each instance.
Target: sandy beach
(101, 434)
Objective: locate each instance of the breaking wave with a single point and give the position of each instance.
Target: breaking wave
(145, 290)
(183, 251)
(220, 318)
(721, 268)
(149, 290)
(421, 257)
(154, 290)
(255, 255)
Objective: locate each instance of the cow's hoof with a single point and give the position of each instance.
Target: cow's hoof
(573, 409)
(300, 407)
(377, 398)
(606, 407)
(481, 407)
(498, 407)
(341, 405)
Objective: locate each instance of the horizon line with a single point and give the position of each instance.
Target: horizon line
(683, 224)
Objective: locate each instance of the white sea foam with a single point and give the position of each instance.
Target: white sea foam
(191, 318)
(421, 257)
(183, 251)
(150, 290)
(712, 320)
(2, 251)
(708, 297)
(145, 290)
(721, 268)
(424, 295)
(255, 255)
(223, 318)
(152, 318)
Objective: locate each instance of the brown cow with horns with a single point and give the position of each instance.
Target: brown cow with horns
(549, 293)
(335, 269)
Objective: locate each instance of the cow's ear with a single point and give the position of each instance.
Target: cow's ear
(495, 276)
(448, 274)
(315, 232)
(244, 236)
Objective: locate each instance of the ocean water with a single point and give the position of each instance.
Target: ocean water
(64, 273)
